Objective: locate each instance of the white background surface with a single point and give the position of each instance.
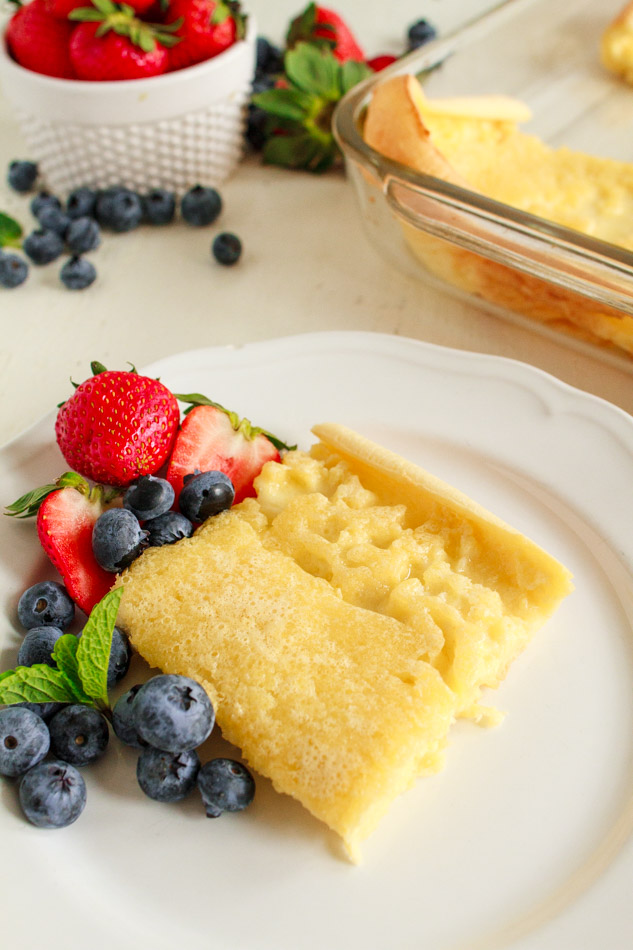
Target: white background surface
(307, 266)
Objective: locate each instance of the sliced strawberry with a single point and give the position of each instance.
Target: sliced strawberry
(212, 439)
(64, 526)
(66, 514)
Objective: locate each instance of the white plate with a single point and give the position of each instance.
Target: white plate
(524, 840)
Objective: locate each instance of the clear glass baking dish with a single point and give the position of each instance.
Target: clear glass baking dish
(538, 272)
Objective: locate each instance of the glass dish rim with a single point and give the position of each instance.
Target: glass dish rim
(611, 262)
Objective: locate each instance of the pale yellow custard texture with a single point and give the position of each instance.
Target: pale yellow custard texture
(342, 620)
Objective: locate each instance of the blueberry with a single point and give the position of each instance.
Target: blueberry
(13, 271)
(83, 235)
(200, 206)
(167, 776)
(205, 494)
(22, 176)
(262, 83)
(269, 58)
(53, 219)
(119, 209)
(420, 33)
(173, 713)
(38, 646)
(44, 604)
(81, 203)
(44, 199)
(120, 657)
(167, 529)
(117, 539)
(123, 719)
(43, 246)
(225, 785)
(24, 740)
(78, 273)
(45, 711)
(79, 734)
(159, 206)
(52, 794)
(227, 248)
(257, 127)
(149, 497)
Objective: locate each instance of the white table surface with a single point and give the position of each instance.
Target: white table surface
(307, 266)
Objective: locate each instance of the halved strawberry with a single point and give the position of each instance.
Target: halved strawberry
(213, 439)
(66, 513)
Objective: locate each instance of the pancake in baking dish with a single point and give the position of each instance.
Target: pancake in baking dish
(476, 143)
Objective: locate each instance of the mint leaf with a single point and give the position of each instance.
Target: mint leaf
(10, 231)
(284, 103)
(35, 684)
(65, 656)
(93, 652)
(313, 70)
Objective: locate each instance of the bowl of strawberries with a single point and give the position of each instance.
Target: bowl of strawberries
(147, 94)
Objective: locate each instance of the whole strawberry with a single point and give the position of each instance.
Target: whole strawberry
(205, 28)
(111, 43)
(117, 426)
(39, 41)
(63, 8)
(212, 438)
(319, 25)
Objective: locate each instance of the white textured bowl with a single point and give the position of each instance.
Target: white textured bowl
(169, 131)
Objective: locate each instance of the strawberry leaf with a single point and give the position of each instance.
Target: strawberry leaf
(303, 29)
(86, 15)
(353, 72)
(35, 684)
(10, 231)
(313, 70)
(243, 425)
(28, 504)
(284, 103)
(221, 13)
(293, 151)
(93, 652)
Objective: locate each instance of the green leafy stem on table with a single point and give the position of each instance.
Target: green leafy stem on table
(80, 673)
(299, 126)
(10, 231)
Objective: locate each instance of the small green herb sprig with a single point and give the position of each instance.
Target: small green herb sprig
(80, 673)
